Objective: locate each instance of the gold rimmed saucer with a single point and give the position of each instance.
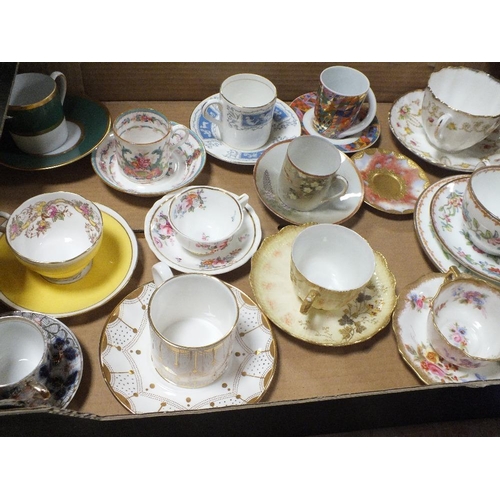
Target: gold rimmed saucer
(358, 321)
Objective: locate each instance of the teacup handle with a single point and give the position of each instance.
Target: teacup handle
(243, 200)
(61, 83)
(6, 216)
(372, 111)
(441, 124)
(204, 111)
(179, 131)
(308, 301)
(161, 273)
(39, 389)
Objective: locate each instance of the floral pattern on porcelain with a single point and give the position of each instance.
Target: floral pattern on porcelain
(491, 238)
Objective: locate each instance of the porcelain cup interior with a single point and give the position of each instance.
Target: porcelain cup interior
(309, 175)
(460, 108)
(24, 358)
(330, 266)
(193, 322)
(481, 208)
(206, 218)
(55, 235)
(463, 321)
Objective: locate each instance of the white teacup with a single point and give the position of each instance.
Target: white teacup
(193, 322)
(145, 141)
(481, 208)
(205, 218)
(309, 175)
(24, 358)
(461, 107)
(245, 108)
(55, 235)
(330, 266)
(463, 321)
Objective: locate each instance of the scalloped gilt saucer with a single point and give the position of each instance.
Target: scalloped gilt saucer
(358, 321)
(128, 371)
(410, 328)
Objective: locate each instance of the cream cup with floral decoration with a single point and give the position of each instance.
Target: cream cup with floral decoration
(330, 265)
(56, 235)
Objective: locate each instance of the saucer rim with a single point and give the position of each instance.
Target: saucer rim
(47, 162)
(345, 148)
(266, 324)
(309, 215)
(258, 152)
(143, 190)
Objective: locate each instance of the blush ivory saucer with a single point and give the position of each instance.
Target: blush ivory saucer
(266, 174)
(186, 163)
(162, 241)
(88, 123)
(111, 270)
(285, 126)
(125, 356)
(409, 324)
(405, 122)
(392, 181)
(447, 220)
(304, 108)
(65, 374)
(358, 321)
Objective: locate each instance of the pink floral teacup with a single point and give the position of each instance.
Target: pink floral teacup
(463, 321)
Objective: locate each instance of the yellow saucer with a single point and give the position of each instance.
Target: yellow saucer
(110, 272)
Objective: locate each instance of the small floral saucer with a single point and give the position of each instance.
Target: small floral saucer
(405, 122)
(129, 373)
(392, 181)
(304, 108)
(186, 163)
(163, 243)
(409, 323)
(359, 320)
(285, 126)
(447, 220)
(63, 379)
(266, 173)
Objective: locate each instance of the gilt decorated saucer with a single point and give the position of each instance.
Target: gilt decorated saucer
(65, 374)
(392, 181)
(125, 356)
(111, 270)
(358, 321)
(162, 241)
(304, 108)
(405, 122)
(89, 123)
(266, 174)
(285, 126)
(409, 323)
(186, 163)
(447, 220)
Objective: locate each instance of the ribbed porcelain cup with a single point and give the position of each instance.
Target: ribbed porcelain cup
(481, 208)
(144, 141)
(460, 108)
(24, 362)
(193, 321)
(205, 219)
(35, 115)
(243, 111)
(341, 94)
(56, 235)
(309, 175)
(330, 265)
(463, 321)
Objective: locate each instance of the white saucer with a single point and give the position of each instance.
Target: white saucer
(410, 328)
(128, 371)
(162, 241)
(304, 109)
(186, 163)
(266, 173)
(358, 321)
(65, 374)
(285, 126)
(447, 220)
(405, 122)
